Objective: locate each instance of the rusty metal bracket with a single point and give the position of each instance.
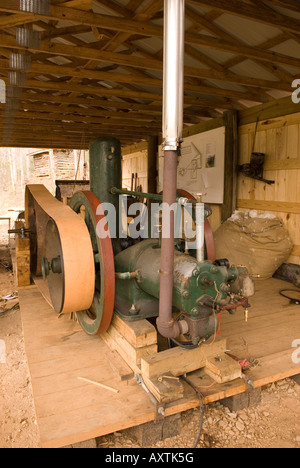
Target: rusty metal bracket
(159, 408)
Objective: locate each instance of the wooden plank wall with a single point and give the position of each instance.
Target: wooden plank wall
(135, 162)
(279, 139)
(278, 136)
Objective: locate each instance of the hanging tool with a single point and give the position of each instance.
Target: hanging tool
(255, 168)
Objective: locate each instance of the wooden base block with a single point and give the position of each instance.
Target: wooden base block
(132, 340)
(118, 365)
(136, 343)
(179, 361)
(23, 261)
(138, 334)
(165, 390)
(223, 368)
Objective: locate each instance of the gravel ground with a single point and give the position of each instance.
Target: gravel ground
(274, 423)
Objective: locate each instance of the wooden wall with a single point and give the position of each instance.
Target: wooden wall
(278, 136)
(135, 162)
(279, 139)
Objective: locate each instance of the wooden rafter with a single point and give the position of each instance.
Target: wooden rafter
(244, 10)
(104, 70)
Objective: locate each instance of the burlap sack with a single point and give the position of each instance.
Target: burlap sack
(259, 242)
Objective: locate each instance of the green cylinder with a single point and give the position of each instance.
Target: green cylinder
(191, 279)
(106, 169)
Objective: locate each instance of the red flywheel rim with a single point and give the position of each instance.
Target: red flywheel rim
(106, 257)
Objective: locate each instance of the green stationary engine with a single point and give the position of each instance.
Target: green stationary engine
(201, 289)
(135, 276)
(128, 270)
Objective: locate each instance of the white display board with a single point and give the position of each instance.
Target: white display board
(201, 165)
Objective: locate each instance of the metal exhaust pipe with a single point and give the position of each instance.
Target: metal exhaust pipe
(173, 96)
(173, 81)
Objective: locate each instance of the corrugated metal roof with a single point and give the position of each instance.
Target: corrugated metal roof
(247, 31)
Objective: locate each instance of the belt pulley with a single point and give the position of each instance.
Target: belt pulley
(66, 250)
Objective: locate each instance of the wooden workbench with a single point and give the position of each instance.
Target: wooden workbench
(70, 410)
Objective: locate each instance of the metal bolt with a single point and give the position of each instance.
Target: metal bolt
(133, 310)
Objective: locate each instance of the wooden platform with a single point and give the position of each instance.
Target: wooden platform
(70, 410)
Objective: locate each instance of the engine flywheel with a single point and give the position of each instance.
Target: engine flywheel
(97, 318)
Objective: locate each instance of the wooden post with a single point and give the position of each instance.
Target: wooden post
(23, 261)
(152, 172)
(152, 163)
(231, 162)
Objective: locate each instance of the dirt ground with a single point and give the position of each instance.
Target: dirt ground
(274, 423)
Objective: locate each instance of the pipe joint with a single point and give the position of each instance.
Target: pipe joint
(172, 144)
(172, 329)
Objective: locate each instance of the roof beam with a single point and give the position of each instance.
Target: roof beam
(132, 124)
(149, 63)
(88, 53)
(144, 119)
(31, 123)
(153, 30)
(98, 91)
(141, 110)
(92, 90)
(219, 32)
(16, 19)
(65, 143)
(134, 27)
(114, 7)
(34, 125)
(245, 10)
(247, 51)
(80, 72)
(90, 102)
(289, 4)
(26, 133)
(75, 16)
(145, 14)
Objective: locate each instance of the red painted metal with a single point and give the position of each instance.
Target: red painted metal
(106, 262)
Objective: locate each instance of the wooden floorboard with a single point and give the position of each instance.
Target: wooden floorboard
(58, 352)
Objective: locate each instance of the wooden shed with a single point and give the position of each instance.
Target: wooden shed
(76, 70)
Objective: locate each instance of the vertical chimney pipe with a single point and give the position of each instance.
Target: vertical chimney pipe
(173, 95)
